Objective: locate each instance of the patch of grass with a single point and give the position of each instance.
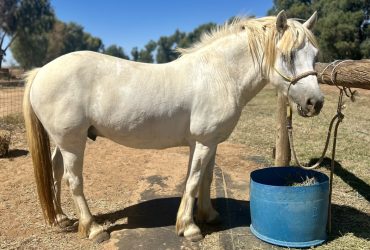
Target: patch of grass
(12, 121)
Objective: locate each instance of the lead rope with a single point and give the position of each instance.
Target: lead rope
(338, 118)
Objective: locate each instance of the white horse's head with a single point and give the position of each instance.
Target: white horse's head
(293, 68)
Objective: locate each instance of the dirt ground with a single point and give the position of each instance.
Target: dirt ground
(116, 177)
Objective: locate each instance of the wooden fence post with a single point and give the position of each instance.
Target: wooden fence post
(282, 149)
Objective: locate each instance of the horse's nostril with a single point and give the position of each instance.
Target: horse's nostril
(314, 104)
(318, 105)
(310, 103)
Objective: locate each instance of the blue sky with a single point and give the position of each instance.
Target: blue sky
(130, 23)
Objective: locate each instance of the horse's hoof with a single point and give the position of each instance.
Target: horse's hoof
(101, 237)
(215, 221)
(195, 237)
(193, 233)
(212, 218)
(65, 223)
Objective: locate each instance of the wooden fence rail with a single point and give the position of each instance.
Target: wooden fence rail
(347, 73)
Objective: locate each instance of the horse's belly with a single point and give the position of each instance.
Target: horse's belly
(149, 135)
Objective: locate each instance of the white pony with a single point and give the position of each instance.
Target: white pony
(195, 100)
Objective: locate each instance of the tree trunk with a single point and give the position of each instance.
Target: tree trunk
(348, 73)
(1, 59)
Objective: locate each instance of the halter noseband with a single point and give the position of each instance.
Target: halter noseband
(294, 80)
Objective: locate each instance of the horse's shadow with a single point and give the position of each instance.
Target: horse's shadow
(15, 153)
(162, 212)
(234, 213)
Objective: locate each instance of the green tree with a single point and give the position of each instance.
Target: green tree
(195, 35)
(167, 44)
(294, 8)
(116, 51)
(55, 45)
(339, 25)
(30, 50)
(165, 52)
(46, 46)
(135, 54)
(146, 54)
(21, 18)
(76, 39)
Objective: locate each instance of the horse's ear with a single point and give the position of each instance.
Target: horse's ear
(281, 22)
(311, 21)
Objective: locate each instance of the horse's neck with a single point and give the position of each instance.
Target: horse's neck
(230, 56)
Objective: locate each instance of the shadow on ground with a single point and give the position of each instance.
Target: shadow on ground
(162, 212)
(234, 213)
(349, 220)
(14, 153)
(352, 180)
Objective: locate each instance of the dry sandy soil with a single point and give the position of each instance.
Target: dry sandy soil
(116, 177)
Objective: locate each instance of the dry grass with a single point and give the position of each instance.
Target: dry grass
(12, 121)
(351, 194)
(306, 181)
(4, 142)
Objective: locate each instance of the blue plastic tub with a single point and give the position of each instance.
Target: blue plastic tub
(290, 216)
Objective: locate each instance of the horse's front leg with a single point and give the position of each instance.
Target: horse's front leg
(205, 211)
(198, 161)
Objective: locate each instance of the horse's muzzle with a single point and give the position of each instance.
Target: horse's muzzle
(312, 107)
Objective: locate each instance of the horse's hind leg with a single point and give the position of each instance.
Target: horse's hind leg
(205, 211)
(58, 171)
(185, 224)
(72, 151)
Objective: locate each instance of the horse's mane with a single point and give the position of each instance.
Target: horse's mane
(262, 33)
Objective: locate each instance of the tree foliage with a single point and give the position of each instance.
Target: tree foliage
(168, 44)
(75, 38)
(117, 51)
(30, 50)
(195, 35)
(22, 18)
(46, 46)
(338, 29)
(146, 54)
(166, 48)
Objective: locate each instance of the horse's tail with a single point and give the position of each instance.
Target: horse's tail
(39, 145)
